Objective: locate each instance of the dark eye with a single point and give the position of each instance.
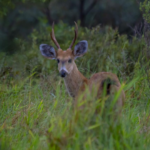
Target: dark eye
(69, 61)
(58, 60)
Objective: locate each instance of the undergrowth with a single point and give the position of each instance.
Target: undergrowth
(37, 113)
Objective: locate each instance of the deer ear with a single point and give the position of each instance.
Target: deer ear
(80, 49)
(48, 51)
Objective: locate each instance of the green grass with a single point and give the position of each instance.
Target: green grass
(37, 113)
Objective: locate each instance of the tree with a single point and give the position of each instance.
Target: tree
(83, 12)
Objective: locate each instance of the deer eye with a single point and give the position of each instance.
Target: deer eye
(58, 60)
(69, 61)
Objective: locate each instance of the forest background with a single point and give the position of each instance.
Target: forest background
(35, 109)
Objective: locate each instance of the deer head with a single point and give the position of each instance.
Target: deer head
(65, 59)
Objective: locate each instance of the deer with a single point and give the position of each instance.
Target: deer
(75, 82)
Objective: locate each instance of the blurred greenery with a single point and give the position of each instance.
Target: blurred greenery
(9, 5)
(145, 8)
(35, 109)
(19, 18)
(37, 113)
(106, 48)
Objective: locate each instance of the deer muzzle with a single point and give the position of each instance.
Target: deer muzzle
(63, 73)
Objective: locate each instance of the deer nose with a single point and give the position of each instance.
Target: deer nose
(63, 73)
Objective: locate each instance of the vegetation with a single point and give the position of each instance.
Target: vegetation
(145, 8)
(36, 112)
(18, 18)
(35, 109)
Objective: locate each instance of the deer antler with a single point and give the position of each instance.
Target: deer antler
(76, 34)
(53, 37)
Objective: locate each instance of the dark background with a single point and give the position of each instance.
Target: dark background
(19, 18)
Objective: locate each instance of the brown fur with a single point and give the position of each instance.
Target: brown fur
(64, 56)
(76, 83)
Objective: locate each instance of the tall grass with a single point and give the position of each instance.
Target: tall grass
(37, 113)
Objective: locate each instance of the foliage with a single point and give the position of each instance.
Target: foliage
(8, 5)
(145, 8)
(18, 22)
(19, 18)
(106, 47)
(37, 113)
(116, 13)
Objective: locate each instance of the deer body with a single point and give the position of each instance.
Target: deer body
(75, 82)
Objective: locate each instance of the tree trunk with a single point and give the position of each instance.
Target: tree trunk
(82, 16)
(83, 13)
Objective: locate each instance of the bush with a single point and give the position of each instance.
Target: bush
(108, 51)
(36, 112)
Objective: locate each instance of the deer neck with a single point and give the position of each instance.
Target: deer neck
(73, 81)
